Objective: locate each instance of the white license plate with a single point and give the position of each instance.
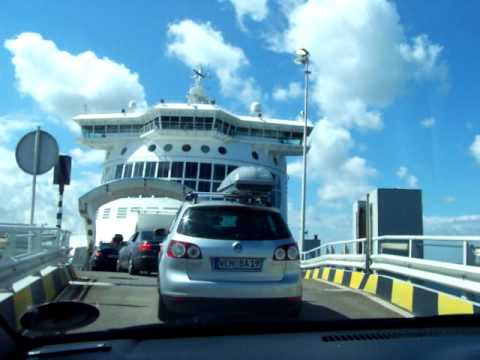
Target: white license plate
(237, 264)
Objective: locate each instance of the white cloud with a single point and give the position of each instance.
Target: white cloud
(410, 180)
(360, 62)
(14, 124)
(294, 90)
(62, 83)
(424, 55)
(475, 148)
(257, 10)
(452, 225)
(428, 122)
(200, 44)
(87, 157)
(449, 199)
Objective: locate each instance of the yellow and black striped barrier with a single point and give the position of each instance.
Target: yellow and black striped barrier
(34, 290)
(414, 299)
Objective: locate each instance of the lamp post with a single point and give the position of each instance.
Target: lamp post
(303, 58)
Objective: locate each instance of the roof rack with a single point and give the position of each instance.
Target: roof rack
(244, 198)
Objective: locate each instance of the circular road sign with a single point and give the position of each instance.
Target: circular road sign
(47, 152)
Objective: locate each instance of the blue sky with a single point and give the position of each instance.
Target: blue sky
(380, 69)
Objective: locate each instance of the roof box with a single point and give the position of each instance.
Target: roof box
(247, 180)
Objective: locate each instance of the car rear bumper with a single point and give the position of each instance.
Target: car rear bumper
(191, 305)
(103, 264)
(181, 286)
(146, 263)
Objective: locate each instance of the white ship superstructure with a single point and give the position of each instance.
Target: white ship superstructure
(165, 150)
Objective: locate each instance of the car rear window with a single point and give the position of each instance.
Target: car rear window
(233, 223)
(151, 237)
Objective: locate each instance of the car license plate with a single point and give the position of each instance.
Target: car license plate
(237, 264)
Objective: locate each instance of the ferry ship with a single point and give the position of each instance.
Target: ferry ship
(154, 156)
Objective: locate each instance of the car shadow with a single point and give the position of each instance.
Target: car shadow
(319, 313)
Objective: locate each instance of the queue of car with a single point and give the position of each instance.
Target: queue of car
(223, 253)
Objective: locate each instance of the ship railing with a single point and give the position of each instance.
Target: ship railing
(24, 248)
(446, 261)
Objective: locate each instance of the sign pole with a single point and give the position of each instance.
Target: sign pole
(36, 151)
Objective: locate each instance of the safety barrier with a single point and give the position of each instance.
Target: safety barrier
(25, 249)
(34, 290)
(417, 300)
(404, 256)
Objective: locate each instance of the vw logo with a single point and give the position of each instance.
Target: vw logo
(237, 247)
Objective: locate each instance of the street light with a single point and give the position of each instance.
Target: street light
(303, 58)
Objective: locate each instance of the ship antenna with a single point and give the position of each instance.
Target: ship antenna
(196, 94)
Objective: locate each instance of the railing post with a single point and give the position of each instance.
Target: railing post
(465, 250)
(368, 240)
(410, 242)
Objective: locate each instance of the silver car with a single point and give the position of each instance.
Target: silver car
(224, 257)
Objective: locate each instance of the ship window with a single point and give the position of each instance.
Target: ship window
(275, 160)
(187, 122)
(230, 168)
(186, 148)
(222, 150)
(199, 123)
(128, 170)
(218, 172)
(162, 171)
(205, 171)
(205, 148)
(270, 133)
(215, 186)
(124, 150)
(138, 172)
(122, 213)
(137, 128)
(174, 122)
(225, 127)
(208, 123)
(255, 155)
(87, 130)
(100, 129)
(125, 128)
(112, 128)
(177, 169)
(150, 169)
(135, 209)
(218, 124)
(168, 147)
(106, 213)
(242, 131)
(152, 147)
(231, 132)
(118, 171)
(256, 132)
(191, 170)
(297, 135)
(204, 186)
(191, 184)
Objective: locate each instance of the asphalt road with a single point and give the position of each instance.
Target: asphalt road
(126, 300)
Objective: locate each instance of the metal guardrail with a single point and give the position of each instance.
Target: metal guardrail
(25, 247)
(461, 271)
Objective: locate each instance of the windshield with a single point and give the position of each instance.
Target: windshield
(343, 135)
(233, 223)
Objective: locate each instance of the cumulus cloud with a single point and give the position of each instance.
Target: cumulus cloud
(10, 124)
(292, 91)
(361, 61)
(87, 157)
(475, 148)
(410, 180)
(452, 225)
(257, 10)
(63, 83)
(428, 122)
(200, 44)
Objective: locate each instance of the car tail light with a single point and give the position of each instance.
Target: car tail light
(183, 250)
(145, 246)
(286, 252)
(279, 254)
(98, 254)
(292, 252)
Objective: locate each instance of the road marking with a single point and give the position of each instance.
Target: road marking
(336, 290)
(381, 302)
(90, 283)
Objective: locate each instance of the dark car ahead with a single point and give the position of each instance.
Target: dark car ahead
(141, 252)
(105, 257)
